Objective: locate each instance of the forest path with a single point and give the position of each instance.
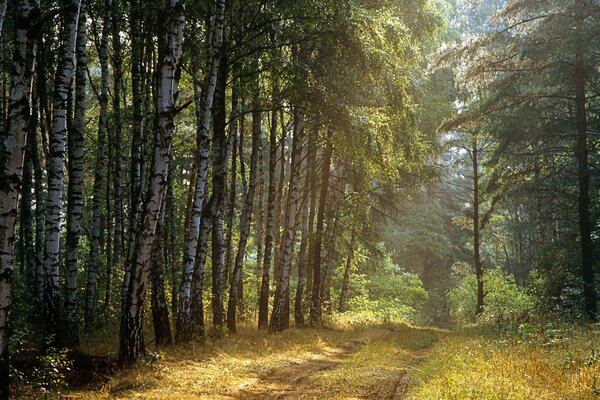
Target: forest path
(312, 378)
(366, 362)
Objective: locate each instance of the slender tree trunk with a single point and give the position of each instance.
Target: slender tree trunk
(246, 218)
(343, 307)
(14, 140)
(218, 277)
(172, 245)
(137, 134)
(203, 103)
(311, 161)
(279, 195)
(230, 215)
(302, 261)
(75, 202)
(263, 303)
(160, 309)
(197, 306)
(260, 224)
(132, 346)
(98, 191)
(583, 173)
(39, 193)
(476, 228)
(316, 308)
(56, 167)
(117, 130)
(219, 179)
(26, 249)
(331, 256)
(281, 305)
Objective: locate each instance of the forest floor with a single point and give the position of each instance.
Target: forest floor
(367, 362)
(386, 361)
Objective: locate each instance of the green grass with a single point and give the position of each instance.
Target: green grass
(483, 364)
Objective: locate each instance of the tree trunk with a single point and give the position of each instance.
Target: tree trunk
(246, 217)
(583, 173)
(259, 228)
(26, 250)
(203, 103)
(75, 201)
(331, 256)
(39, 194)
(219, 179)
(132, 346)
(117, 143)
(98, 191)
(14, 140)
(56, 167)
(137, 134)
(172, 245)
(343, 307)
(230, 214)
(281, 305)
(476, 229)
(263, 303)
(302, 261)
(279, 203)
(316, 310)
(311, 162)
(197, 306)
(160, 309)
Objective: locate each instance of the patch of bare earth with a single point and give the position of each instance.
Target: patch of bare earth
(396, 388)
(297, 380)
(301, 379)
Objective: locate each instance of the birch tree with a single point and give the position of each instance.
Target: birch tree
(132, 345)
(98, 190)
(203, 103)
(11, 163)
(56, 167)
(75, 201)
(281, 306)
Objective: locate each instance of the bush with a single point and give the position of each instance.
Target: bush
(504, 299)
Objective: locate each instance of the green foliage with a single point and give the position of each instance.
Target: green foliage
(384, 292)
(503, 298)
(38, 373)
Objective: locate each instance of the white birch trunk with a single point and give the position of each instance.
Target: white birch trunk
(203, 114)
(12, 149)
(56, 167)
(132, 346)
(281, 307)
(97, 197)
(75, 188)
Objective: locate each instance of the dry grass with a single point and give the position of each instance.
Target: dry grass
(477, 365)
(341, 362)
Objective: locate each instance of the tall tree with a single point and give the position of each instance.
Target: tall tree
(316, 308)
(281, 306)
(203, 103)
(246, 218)
(56, 167)
(12, 149)
(132, 345)
(98, 190)
(75, 201)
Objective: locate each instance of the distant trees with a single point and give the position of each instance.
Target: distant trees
(528, 81)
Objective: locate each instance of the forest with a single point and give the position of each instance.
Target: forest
(309, 199)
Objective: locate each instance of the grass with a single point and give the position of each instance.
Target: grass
(366, 361)
(481, 364)
(339, 362)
